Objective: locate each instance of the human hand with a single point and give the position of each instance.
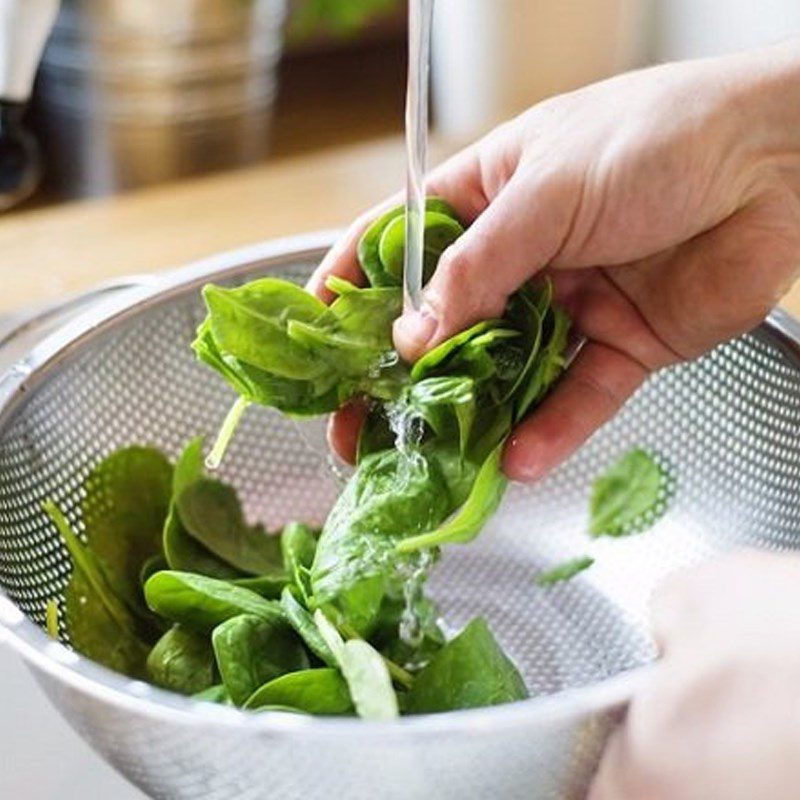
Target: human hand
(719, 717)
(663, 204)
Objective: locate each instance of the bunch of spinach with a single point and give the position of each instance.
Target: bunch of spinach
(440, 481)
(203, 602)
(222, 610)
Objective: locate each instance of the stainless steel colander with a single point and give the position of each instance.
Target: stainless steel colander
(122, 372)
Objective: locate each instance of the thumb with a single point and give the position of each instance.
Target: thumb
(515, 237)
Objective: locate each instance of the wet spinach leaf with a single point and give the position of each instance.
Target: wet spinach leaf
(182, 661)
(251, 651)
(389, 497)
(298, 546)
(201, 603)
(210, 512)
(126, 502)
(369, 246)
(303, 623)
(215, 694)
(564, 571)
(484, 498)
(182, 551)
(99, 623)
(364, 671)
(470, 671)
(313, 691)
(630, 496)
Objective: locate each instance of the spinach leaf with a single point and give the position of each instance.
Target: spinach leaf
(183, 552)
(564, 571)
(484, 498)
(251, 323)
(290, 395)
(630, 496)
(436, 359)
(298, 546)
(303, 623)
(214, 694)
(182, 661)
(268, 586)
(447, 404)
(95, 631)
(202, 603)
(364, 670)
(99, 623)
(313, 691)
(124, 508)
(549, 366)
(369, 246)
(211, 514)
(389, 497)
(441, 230)
(251, 651)
(470, 671)
(369, 681)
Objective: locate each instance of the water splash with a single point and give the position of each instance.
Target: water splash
(411, 630)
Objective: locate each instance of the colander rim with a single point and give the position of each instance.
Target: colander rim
(59, 663)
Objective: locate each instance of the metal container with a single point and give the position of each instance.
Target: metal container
(122, 372)
(134, 92)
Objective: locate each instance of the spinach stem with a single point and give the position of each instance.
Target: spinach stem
(400, 675)
(226, 433)
(52, 618)
(83, 559)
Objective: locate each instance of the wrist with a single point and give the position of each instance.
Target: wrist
(763, 92)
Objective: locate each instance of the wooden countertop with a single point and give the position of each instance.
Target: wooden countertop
(50, 252)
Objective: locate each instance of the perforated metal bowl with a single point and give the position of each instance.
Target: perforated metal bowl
(122, 372)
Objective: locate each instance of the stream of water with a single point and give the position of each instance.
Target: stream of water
(420, 23)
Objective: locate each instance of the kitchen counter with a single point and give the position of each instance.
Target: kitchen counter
(50, 252)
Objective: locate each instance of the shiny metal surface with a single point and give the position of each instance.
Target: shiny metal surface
(133, 92)
(729, 424)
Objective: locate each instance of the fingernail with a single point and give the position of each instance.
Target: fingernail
(521, 462)
(413, 332)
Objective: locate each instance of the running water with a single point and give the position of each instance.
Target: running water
(420, 23)
(407, 426)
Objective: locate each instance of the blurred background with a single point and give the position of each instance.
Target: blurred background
(136, 92)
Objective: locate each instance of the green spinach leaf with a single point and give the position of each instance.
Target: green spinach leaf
(124, 508)
(303, 623)
(364, 670)
(251, 651)
(214, 694)
(564, 571)
(182, 661)
(484, 498)
(313, 691)
(202, 603)
(99, 623)
(298, 546)
(470, 671)
(210, 512)
(630, 496)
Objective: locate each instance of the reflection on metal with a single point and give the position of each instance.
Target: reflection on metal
(134, 92)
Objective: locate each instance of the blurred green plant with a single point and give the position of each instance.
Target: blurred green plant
(337, 17)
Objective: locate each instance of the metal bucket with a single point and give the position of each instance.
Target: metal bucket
(134, 92)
